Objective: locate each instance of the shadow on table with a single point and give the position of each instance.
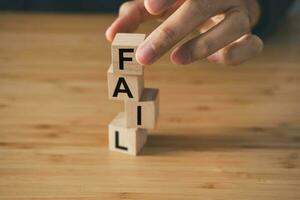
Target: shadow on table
(228, 140)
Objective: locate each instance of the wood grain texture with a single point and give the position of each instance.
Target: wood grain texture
(223, 133)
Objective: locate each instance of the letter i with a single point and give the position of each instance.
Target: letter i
(139, 115)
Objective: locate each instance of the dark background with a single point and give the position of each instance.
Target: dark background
(273, 11)
(61, 5)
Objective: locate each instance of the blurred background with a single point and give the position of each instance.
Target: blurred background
(76, 5)
(61, 5)
(273, 10)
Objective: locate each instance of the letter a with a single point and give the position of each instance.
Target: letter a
(118, 89)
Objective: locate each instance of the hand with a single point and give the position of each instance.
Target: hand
(224, 29)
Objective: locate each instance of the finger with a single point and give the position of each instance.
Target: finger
(235, 24)
(238, 52)
(185, 19)
(210, 23)
(206, 26)
(131, 15)
(156, 7)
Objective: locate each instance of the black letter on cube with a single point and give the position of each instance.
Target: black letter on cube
(119, 90)
(117, 142)
(122, 58)
(139, 115)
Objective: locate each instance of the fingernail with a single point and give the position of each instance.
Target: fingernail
(145, 54)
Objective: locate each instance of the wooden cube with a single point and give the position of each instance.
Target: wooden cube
(143, 113)
(125, 140)
(124, 87)
(123, 50)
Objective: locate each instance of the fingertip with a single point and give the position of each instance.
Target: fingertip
(108, 34)
(180, 56)
(145, 54)
(117, 26)
(113, 29)
(259, 43)
(214, 57)
(149, 7)
(155, 7)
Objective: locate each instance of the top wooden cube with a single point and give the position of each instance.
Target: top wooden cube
(123, 51)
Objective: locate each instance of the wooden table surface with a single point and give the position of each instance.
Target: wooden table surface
(223, 133)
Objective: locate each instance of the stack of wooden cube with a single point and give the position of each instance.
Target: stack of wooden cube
(127, 131)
